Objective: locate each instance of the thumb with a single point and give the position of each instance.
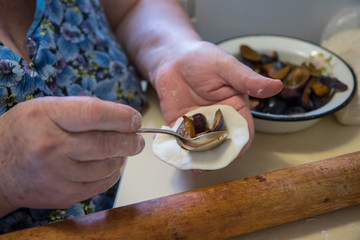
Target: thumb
(246, 81)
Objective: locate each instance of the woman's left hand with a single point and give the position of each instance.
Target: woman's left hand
(202, 74)
(186, 72)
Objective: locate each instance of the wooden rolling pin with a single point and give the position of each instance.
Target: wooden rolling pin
(224, 210)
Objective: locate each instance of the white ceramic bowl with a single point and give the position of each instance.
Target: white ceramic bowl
(296, 51)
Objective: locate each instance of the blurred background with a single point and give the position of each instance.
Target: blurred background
(217, 20)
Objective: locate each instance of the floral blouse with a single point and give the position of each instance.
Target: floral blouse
(73, 53)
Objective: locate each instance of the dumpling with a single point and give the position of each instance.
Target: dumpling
(168, 150)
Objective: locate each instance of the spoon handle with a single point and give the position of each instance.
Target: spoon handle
(156, 130)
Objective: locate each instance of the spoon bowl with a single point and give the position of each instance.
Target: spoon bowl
(200, 143)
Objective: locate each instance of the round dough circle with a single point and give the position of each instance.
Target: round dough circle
(166, 148)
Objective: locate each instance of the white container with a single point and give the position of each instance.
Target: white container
(296, 51)
(342, 36)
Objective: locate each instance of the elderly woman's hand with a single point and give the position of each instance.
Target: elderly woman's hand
(186, 72)
(59, 151)
(200, 74)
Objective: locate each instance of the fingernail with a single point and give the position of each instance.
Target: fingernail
(136, 121)
(141, 144)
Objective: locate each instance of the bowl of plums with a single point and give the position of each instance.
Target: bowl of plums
(316, 82)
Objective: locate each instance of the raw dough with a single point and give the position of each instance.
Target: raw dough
(166, 148)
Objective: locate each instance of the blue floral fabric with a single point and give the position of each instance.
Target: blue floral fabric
(73, 52)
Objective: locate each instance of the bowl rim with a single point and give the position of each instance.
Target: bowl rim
(299, 117)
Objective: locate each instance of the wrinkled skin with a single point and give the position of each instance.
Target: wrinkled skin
(58, 151)
(64, 150)
(203, 75)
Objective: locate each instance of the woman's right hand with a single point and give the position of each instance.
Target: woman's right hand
(55, 152)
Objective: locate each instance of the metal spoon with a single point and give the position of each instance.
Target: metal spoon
(201, 143)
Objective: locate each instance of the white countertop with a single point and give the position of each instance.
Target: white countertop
(145, 177)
